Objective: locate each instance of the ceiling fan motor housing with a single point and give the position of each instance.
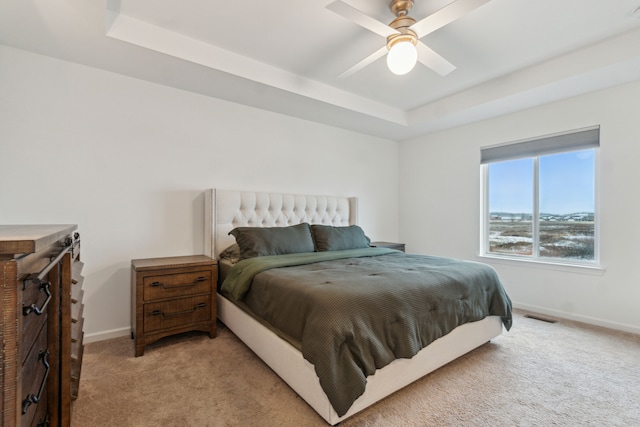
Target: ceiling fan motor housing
(402, 24)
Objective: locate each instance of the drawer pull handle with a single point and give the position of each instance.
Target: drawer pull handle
(165, 286)
(44, 286)
(178, 313)
(44, 357)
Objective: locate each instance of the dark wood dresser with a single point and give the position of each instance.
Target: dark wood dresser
(41, 325)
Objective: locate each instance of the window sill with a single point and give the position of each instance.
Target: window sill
(593, 269)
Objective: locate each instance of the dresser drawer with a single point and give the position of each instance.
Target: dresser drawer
(177, 285)
(35, 373)
(34, 301)
(175, 313)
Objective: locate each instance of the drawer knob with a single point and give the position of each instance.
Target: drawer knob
(43, 356)
(178, 313)
(165, 286)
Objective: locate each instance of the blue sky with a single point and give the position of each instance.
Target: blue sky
(566, 184)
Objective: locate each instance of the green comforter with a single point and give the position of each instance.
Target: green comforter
(352, 312)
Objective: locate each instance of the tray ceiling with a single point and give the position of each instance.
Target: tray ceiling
(285, 56)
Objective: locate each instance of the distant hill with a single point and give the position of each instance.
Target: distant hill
(518, 216)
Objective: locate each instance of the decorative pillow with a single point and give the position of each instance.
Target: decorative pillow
(262, 241)
(329, 238)
(232, 253)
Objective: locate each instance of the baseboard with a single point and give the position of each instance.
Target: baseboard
(122, 332)
(107, 335)
(578, 318)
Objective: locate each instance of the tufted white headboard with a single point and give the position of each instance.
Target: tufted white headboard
(227, 209)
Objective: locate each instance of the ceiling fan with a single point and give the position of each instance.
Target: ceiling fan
(403, 34)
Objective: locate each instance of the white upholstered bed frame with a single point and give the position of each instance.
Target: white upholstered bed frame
(227, 209)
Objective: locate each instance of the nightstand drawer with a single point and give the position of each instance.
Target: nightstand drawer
(177, 285)
(175, 313)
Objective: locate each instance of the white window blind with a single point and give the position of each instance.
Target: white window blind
(575, 140)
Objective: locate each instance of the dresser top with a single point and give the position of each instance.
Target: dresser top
(25, 239)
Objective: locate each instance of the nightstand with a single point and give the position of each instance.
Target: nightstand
(398, 246)
(170, 296)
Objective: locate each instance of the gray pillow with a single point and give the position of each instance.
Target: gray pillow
(262, 241)
(329, 238)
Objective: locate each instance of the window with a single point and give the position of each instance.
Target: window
(539, 198)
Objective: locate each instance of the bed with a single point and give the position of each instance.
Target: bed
(229, 214)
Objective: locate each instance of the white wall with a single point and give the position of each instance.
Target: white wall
(128, 161)
(440, 205)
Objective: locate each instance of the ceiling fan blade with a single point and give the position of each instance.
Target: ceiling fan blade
(446, 15)
(366, 61)
(360, 18)
(431, 59)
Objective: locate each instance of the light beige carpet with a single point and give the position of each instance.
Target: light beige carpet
(538, 374)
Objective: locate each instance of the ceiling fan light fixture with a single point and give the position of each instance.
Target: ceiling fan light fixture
(402, 56)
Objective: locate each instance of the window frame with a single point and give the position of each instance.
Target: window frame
(518, 150)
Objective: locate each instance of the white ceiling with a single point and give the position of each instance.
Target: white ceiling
(286, 55)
